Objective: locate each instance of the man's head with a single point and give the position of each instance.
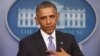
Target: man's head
(47, 16)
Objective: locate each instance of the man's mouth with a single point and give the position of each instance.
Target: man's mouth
(50, 27)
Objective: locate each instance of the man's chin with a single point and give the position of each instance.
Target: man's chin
(49, 32)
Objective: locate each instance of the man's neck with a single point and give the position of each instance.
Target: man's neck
(53, 33)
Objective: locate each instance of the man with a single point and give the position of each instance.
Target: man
(39, 43)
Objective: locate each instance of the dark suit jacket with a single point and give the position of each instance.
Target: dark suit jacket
(34, 45)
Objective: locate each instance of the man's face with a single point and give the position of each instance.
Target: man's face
(47, 19)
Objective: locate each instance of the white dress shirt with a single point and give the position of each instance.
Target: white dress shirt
(45, 37)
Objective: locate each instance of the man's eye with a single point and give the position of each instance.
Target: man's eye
(52, 16)
(42, 18)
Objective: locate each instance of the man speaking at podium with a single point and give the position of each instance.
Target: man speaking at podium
(47, 41)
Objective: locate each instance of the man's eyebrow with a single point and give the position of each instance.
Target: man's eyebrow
(43, 17)
(52, 15)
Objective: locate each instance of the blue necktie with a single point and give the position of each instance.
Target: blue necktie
(51, 45)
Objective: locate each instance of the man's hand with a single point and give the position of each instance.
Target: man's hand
(62, 53)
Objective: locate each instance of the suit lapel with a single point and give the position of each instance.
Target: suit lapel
(41, 44)
(58, 41)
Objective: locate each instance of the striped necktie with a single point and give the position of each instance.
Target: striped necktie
(51, 45)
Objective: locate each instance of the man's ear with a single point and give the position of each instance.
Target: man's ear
(36, 19)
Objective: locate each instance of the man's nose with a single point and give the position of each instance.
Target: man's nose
(48, 21)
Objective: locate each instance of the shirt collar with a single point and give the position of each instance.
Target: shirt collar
(45, 35)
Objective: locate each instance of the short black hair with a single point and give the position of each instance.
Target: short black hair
(45, 4)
